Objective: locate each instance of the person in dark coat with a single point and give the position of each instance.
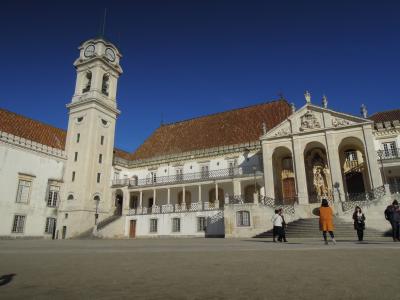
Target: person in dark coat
(359, 222)
(282, 235)
(392, 214)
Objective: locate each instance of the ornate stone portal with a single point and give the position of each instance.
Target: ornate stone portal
(318, 175)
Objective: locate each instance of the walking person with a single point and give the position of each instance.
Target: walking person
(276, 223)
(326, 221)
(359, 223)
(282, 235)
(392, 214)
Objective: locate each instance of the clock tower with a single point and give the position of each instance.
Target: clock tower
(86, 191)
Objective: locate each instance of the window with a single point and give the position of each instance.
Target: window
(98, 177)
(231, 166)
(394, 185)
(24, 190)
(70, 197)
(176, 225)
(351, 155)
(243, 218)
(201, 224)
(73, 176)
(66, 216)
(78, 137)
(18, 224)
(179, 174)
(102, 140)
(53, 196)
(50, 225)
(389, 149)
(76, 156)
(205, 172)
(104, 86)
(152, 177)
(116, 175)
(100, 158)
(153, 225)
(88, 82)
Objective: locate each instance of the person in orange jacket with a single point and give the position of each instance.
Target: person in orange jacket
(326, 221)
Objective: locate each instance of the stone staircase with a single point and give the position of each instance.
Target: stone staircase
(309, 228)
(88, 234)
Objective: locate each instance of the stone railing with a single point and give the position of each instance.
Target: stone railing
(278, 204)
(31, 145)
(174, 208)
(188, 177)
(363, 199)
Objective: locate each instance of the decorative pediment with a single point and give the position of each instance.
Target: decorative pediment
(309, 121)
(312, 118)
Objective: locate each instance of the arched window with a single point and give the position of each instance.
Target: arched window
(104, 86)
(243, 218)
(96, 198)
(88, 82)
(70, 197)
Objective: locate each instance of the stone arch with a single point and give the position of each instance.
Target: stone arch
(118, 202)
(354, 166)
(188, 198)
(318, 175)
(212, 197)
(249, 192)
(284, 176)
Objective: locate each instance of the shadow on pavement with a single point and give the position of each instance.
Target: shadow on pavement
(5, 279)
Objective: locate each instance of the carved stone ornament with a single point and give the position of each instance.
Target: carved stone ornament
(309, 121)
(337, 122)
(282, 132)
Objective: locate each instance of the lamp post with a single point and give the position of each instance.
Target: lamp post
(380, 155)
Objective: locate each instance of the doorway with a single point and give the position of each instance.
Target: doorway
(64, 232)
(132, 229)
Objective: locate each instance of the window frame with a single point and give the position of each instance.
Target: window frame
(241, 217)
(15, 226)
(18, 197)
(199, 227)
(176, 225)
(153, 229)
(53, 195)
(51, 223)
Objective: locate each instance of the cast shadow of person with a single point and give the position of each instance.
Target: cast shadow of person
(5, 279)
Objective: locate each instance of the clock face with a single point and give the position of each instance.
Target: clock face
(89, 51)
(110, 55)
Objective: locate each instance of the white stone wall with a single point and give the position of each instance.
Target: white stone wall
(13, 162)
(214, 221)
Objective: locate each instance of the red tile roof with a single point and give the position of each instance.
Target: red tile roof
(386, 116)
(221, 129)
(32, 130)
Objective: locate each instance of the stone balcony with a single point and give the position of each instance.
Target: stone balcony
(237, 172)
(174, 208)
(389, 154)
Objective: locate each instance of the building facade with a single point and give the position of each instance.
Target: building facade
(213, 176)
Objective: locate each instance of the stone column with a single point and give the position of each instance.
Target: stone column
(183, 196)
(335, 168)
(237, 187)
(141, 199)
(300, 172)
(154, 197)
(168, 196)
(125, 201)
(268, 172)
(372, 158)
(216, 203)
(200, 201)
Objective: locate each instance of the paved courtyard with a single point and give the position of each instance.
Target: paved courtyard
(198, 269)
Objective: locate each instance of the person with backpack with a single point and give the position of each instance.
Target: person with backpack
(359, 223)
(392, 214)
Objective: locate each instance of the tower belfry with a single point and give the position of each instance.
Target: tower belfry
(90, 137)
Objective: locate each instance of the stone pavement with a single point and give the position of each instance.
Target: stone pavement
(199, 269)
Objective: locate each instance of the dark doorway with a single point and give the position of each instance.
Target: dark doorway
(151, 202)
(355, 183)
(64, 232)
(118, 205)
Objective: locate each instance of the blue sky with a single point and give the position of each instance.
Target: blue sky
(183, 59)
